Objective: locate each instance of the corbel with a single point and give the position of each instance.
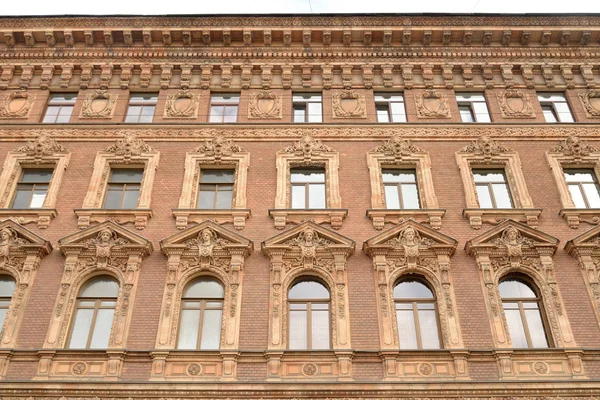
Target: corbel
(8, 72)
(347, 76)
(286, 76)
(109, 40)
(146, 75)
(448, 75)
(427, 73)
(29, 38)
(326, 37)
(126, 73)
(287, 37)
(267, 37)
(588, 76)
(548, 75)
(306, 75)
(106, 71)
(205, 76)
(407, 75)
(506, 37)
(246, 75)
(226, 37)
(426, 38)
(165, 75)
(186, 75)
(507, 75)
(487, 38)
(9, 38)
(226, 71)
(47, 74)
(367, 73)
(186, 37)
(525, 36)
(86, 75)
(446, 37)
(205, 37)
(247, 36)
(89, 38)
(147, 37)
(347, 37)
(50, 38)
(306, 37)
(584, 39)
(467, 73)
(387, 75)
(266, 75)
(69, 39)
(387, 37)
(564, 38)
(567, 73)
(127, 37)
(367, 37)
(467, 36)
(545, 39)
(406, 38)
(166, 37)
(26, 75)
(488, 75)
(527, 71)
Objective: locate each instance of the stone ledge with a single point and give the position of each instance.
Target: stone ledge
(185, 216)
(138, 216)
(23, 216)
(574, 216)
(395, 216)
(493, 216)
(333, 216)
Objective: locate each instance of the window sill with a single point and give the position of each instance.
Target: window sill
(311, 365)
(424, 365)
(80, 364)
(333, 216)
(194, 365)
(396, 216)
(536, 364)
(493, 216)
(185, 216)
(574, 216)
(138, 216)
(23, 216)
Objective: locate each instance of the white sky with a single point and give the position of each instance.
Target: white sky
(150, 7)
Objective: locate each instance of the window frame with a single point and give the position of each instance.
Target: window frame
(579, 184)
(399, 187)
(296, 103)
(97, 306)
(489, 185)
(552, 104)
(387, 104)
(462, 102)
(141, 104)
(307, 185)
(217, 185)
(223, 104)
(32, 191)
(60, 106)
(124, 189)
(308, 311)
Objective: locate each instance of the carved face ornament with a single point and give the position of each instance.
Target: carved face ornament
(206, 242)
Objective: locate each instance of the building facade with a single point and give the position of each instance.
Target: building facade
(300, 207)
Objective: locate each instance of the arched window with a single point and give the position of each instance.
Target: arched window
(309, 316)
(7, 287)
(94, 314)
(523, 313)
(201, 315)
(416, 315)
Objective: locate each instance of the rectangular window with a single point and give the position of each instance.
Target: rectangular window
(555, 107)
(472, 107)
(141, 108)
(390, 107)
(224, 107)
(123, 188)
(32, 188)
(308, 107)
(400, 187)
(308, 188)
(492, 188)
(583, 187)
(60, 108)
(216, 188)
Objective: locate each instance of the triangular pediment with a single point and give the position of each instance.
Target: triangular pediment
(493, 237)
(589, 239)
(119, 235)
(224, 236)
(325, 235)
(423, 234)
(21, 236)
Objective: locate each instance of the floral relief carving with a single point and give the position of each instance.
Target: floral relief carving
(183, 104)
(42, 146)
(129, 146)
(348, 104)
(432, 104)
(99, 104)
(515, 103)
(264, 105)
(485, 146)
(307, 147)
(218, 147)
(16, 105)
(398, 148)
(575, 147)
(591, 102)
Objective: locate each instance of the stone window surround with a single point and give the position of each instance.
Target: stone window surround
(216, 153)
(83, 262)
(43, 152)
(127, 153)
(401, 154)
(487, 153)
(223, 260)
(573, 153)
(529, 255)
(308, 152)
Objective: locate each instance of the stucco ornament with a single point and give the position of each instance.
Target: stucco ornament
(105, 240)
(16, 105)
(485, 146)
(308, 147)
(129, 146)
(42, 146)
(264, 104)
(183, 104)
(309, 241)
(432, 104)
(515, 104)
(218, 147)
(591, 102)
(397, 147)
(349, 104)
(574, 147)
(8, 238)
(99, 104)
(410, 240)
(207, 242)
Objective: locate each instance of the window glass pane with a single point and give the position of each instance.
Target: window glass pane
(22, 196)
(514, 289)
(298, 196)
(407, 332)
(563, 111)
(382, 113)
(308, 290)
(466, 115)
(502, 195)
(147, 114)
(130, 197)
(316, 196)
(551, 97)
(579, 175)
(471, 97)
(37, 175)
(429, 329)
(7, 286)
(126, 175)
(225, 98)
(217, 175)
(307, 175)
(314, 112)
(549, 115)
(515, 328)
(224, 197)
(144, 98)
(392, 200)
(577, 196)
(410, 196)
(388, 97)
(398, 175)
(81, 328)
(591, 192)
(52, 112)
(298, 323)
(204, 289)
(39, 195)
(102, 287)
(488, 176)
(102, 328)
(398, 112)
(320, 329)
(481, 112)
(483, 195)
(113, 197)
(206, 197)
(68, 98)
(188, 329)
(211, 330)
(216, 114)
(230, 114)
(306, 97)
(536, 329)
(412, 290)
(299, 113)
(3, 312)
(133, 113)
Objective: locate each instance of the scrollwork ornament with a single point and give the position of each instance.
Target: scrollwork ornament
(575, 147)
(432, 104)
(174, 108)
(308, 147)
(485, 146)
(349, 104)
(129, 146)
(397, 147)
(264, 105)
(591, 102)
(218, 147)
(20, 100)
(102, 97)
(510, 100)
(42, 146)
